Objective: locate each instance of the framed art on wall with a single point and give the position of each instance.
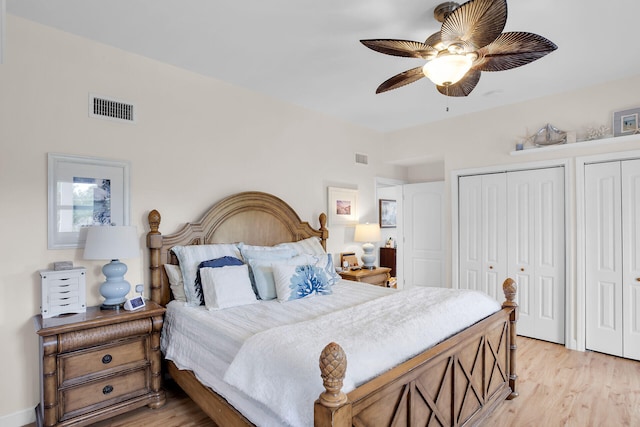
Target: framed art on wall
(342, 206)
(626, 122)
(82, 192)
(387, 213)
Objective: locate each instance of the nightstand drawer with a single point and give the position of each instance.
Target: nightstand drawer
(90, 362)
(100, 393)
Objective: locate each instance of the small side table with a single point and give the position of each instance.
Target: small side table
(98, 364)
(378, 276)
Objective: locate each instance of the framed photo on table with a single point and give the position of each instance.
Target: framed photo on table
(387, 213)
(342, 206)
(82, 192)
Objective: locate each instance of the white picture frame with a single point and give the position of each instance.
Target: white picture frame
(342, 206)
(84, 191)
(626, 122)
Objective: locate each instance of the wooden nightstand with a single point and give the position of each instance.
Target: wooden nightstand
(378, 276)
(98, 364)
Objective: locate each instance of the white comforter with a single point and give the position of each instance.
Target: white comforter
(279, 366)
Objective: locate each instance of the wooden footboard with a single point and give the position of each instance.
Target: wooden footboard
(458, 382)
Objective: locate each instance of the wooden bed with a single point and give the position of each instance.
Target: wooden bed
(457, 382)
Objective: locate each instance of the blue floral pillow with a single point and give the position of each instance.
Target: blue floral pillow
(300, 281)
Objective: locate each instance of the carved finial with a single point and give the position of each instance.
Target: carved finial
(154, 221)
(333, 365)
(510, 288)
(323, 220)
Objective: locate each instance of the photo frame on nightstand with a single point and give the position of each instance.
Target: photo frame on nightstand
(350, 257)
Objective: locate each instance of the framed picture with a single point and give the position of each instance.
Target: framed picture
(626, 122)
(84, 191)
(387, 211)
(350, 258)
(343, 206)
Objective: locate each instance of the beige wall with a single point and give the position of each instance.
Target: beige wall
(196, 140)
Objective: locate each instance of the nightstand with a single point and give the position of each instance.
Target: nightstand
(98, 364)
(378, 276)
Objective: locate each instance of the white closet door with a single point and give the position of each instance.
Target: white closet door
(603, 258)
(482, 233)
(631, 258)
(536, 254)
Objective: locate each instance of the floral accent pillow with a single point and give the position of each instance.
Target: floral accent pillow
(300, 281)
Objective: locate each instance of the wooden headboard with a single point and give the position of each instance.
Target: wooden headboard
(251, 217)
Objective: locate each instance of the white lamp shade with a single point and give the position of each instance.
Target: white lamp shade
(112, 242)
(367, 233)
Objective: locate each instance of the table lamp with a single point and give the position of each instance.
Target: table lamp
(368, 233)
(113, 242)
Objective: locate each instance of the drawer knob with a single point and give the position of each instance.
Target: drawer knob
(107, 359)
(107, 389)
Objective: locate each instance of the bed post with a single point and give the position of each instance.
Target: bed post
(323, 230)
(510, 288)
(332, 408)
(154, 243)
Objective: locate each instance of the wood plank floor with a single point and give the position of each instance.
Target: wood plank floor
(558, 387)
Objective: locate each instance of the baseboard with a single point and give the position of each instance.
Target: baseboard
(19, 419)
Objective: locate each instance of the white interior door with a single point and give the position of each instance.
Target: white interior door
(482, 233)
(536, 250)
(603, 258)
(631, 258)
(423, 249)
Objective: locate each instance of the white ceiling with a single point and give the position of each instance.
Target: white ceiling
(308, 52)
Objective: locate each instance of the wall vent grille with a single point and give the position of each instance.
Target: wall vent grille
(111, 109)
(362, 159)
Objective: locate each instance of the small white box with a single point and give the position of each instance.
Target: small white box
(63, 292)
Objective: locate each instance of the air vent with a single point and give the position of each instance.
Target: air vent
(111, 109)
(362, 159)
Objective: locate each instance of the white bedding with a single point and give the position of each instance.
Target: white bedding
(248, 342)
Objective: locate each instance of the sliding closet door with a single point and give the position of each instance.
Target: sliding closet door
(603, 240)
(535, 217)
(630, 170)
(482, 233)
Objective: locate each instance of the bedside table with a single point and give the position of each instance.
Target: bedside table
(98, 364)
(378, 276)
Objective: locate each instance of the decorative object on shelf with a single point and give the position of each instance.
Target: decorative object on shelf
(389, 243)
(470, 41)
(343, 206)
(62, 265)
(597, 133)
(84, 191)
(63, 291)
(549, 135)
(387, 210)
(113, 242)
(367, 234)
(626, 122)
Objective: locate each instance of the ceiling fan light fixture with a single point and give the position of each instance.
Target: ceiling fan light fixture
(447, 68)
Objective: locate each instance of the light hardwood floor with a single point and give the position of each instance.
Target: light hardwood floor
(558, 387)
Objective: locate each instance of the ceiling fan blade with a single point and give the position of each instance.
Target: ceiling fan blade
(512, 50)
(401, 79)
(475, 23)
(463, 87)
(406, 48)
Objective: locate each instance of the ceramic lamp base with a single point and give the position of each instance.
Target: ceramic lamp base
(368, 257)
(115, 289)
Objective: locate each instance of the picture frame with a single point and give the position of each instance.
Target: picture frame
(626, 122)
(387, 213)
(351, 259)
(342, 206)
(84, 191)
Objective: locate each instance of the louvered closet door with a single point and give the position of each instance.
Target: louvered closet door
(482, 233)
(536, 250)
(631, 258)
(603, 240)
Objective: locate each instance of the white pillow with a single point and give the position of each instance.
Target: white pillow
(225, 287)
(310, 245)
(191, 256)
(174, 274)
(260, 259)
(300, 281)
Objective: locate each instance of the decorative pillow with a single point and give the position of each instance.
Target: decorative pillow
(323, 261)
(191, 256)
(175, 282)
(226, 287)
(300, 281)
(213, 263)
(310, 245)
(260, 260)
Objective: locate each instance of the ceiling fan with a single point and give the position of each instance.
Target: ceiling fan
(470, 41)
